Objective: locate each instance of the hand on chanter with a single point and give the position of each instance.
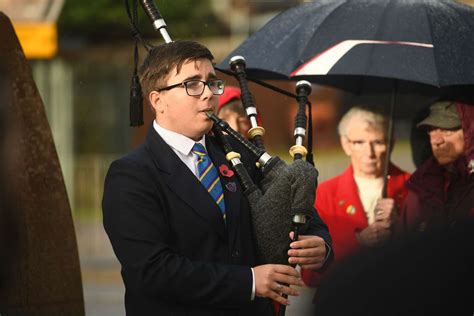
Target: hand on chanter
(308, 251)
(274, 280)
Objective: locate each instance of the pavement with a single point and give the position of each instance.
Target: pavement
(103, 288)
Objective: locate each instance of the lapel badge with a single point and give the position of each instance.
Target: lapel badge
(351, 210)
(231, 186)
(225, 171)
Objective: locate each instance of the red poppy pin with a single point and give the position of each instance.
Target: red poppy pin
(225, 171)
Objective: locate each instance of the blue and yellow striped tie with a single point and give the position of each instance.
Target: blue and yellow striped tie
(209, 176)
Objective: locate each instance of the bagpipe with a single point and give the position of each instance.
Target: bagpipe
(283, 200)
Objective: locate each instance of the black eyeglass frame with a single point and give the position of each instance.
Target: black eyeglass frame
(184, 85)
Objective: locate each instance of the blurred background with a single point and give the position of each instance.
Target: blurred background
(81, 54)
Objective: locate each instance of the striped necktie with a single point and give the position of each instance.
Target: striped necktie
(209, 176)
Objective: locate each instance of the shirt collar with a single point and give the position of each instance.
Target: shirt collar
(177, 141)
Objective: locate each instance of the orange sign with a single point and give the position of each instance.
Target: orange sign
(38, 40)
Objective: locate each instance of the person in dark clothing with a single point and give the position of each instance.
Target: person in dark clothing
(181, 228)
(441, 191)
(406, 276)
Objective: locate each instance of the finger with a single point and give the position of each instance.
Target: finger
(307, 242)
(385, 200)
(383, 214)
(281, 269)
(292, 235)
(384, 223)
(284, 289)
(379, 213)
(306, 260)
(303, 237)
(278, 287)
(385, 207)
(307, 252)
(279, 298)
(379, 219)
(382, 209)
(288, 280)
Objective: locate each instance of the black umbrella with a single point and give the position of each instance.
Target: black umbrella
(425, 41)
(406, 47)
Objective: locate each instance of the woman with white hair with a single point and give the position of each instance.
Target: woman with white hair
(351, 203)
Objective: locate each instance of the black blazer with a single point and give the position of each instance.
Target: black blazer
(178, 256)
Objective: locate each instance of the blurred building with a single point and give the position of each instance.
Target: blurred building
(32, 10)
(247, 16)
(35, 25)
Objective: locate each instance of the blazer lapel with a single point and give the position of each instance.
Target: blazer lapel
(230, 185)
(183, 182)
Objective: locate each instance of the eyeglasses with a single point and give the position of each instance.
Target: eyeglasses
(196, 87)
(378, 145)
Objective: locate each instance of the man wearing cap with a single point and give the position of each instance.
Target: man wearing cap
(441, 191)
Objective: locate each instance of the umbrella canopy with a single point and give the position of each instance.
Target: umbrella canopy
(338, 42)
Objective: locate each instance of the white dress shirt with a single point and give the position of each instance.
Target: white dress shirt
(181, 145)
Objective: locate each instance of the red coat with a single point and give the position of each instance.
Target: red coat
(339, 205)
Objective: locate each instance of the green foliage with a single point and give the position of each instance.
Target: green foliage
(98, 19)
(189, 18)
(93, 18)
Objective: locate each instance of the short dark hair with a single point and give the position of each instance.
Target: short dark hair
(163, 58)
